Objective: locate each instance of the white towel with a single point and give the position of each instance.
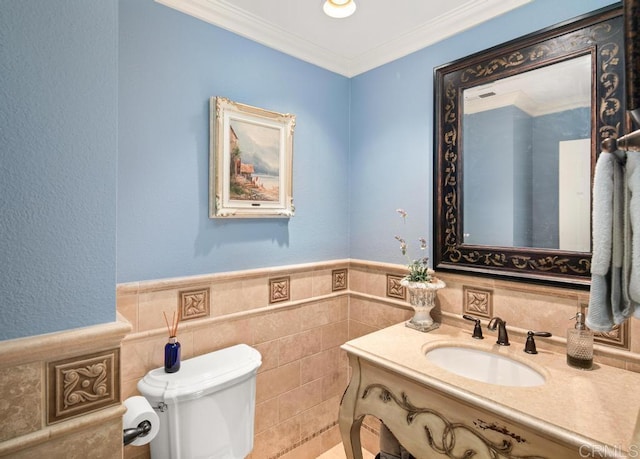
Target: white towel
(612, 266)
(633, 187)
(600, 314)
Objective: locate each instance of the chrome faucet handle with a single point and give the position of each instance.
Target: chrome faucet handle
(530, 344)
(503, 337)
(477, 329)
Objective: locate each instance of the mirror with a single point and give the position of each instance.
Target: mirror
(533, 130)
(517, 134)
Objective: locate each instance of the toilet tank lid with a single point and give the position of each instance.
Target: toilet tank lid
(201, 375)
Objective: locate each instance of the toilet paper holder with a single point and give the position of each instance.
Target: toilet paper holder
(143, 429)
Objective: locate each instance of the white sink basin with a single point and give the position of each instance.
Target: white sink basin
(485, 366)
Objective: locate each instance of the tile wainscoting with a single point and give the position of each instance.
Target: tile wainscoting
(61, 394)
(296, 316)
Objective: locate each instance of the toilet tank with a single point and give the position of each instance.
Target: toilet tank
(207, 408)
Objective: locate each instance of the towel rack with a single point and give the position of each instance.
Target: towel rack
(617, 147)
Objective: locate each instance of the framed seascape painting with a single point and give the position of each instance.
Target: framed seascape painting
(250, 161)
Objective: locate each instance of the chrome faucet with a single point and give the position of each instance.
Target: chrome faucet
(503, 338)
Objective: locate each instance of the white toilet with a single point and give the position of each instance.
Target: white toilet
(207, 408)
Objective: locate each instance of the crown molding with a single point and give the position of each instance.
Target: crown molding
(227, 16)
(439, 28)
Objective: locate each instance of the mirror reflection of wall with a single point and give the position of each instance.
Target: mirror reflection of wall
(514, 192)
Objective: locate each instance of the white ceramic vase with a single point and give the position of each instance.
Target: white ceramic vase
(422, 297)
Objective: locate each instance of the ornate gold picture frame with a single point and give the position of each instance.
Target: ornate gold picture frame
(250, 161)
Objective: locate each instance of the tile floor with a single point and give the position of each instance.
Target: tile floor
(337, 452)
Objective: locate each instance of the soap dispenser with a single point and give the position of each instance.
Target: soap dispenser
(580, 344)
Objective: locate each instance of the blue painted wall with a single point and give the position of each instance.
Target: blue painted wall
(97, 144)
(170, 65)
(58, 146)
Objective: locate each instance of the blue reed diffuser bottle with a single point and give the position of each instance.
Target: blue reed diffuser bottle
(172, 355)
(172, 348)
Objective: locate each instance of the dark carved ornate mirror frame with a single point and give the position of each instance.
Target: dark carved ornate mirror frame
(599, 34)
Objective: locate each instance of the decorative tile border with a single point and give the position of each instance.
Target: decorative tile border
(304, 440)
(279, 289)
(339, 279)
(477, 301)
(394, 289)
(194, 304)
(83, 384)
(617, 337)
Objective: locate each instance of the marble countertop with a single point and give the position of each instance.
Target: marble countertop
(597, 407)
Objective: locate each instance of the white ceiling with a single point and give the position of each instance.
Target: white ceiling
(380, 31)
(555, 88)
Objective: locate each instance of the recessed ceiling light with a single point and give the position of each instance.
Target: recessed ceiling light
(339, 9)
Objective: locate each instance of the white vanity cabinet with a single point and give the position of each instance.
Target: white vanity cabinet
(430, 424)
(437, 414)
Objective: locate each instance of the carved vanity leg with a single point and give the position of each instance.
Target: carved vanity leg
(348, 421)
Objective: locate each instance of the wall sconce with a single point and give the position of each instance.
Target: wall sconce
(339, 9)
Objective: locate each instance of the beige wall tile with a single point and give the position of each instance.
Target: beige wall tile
(357, 280)
(267, 327)
(276, 439)
(128, 388)
(272, 383)
(269, 352)
(634, 332)
(220, 335)
(231, 296)
(358, 329)
(340, 308)
(226, 297)
(301, 286)
(335, 334)
(334, 384)
(323, 312)
(321, 282)
(255, 293)
(151, 306)
(318, 365)
(136, 452)
(309, 449)
(331, 438)
(318, 417)
(20, 402)
(383, 316)
(376, 284)
(516, 308)
(127, 305)
(358, 309)
(295, 347)
(451, 299)
(138, 357)
(300, 343)
(266, 415)
(317, 446)
(102, 442)
(299, 399)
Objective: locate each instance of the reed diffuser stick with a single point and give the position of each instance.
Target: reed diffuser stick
(173, 328)
(174, 322)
